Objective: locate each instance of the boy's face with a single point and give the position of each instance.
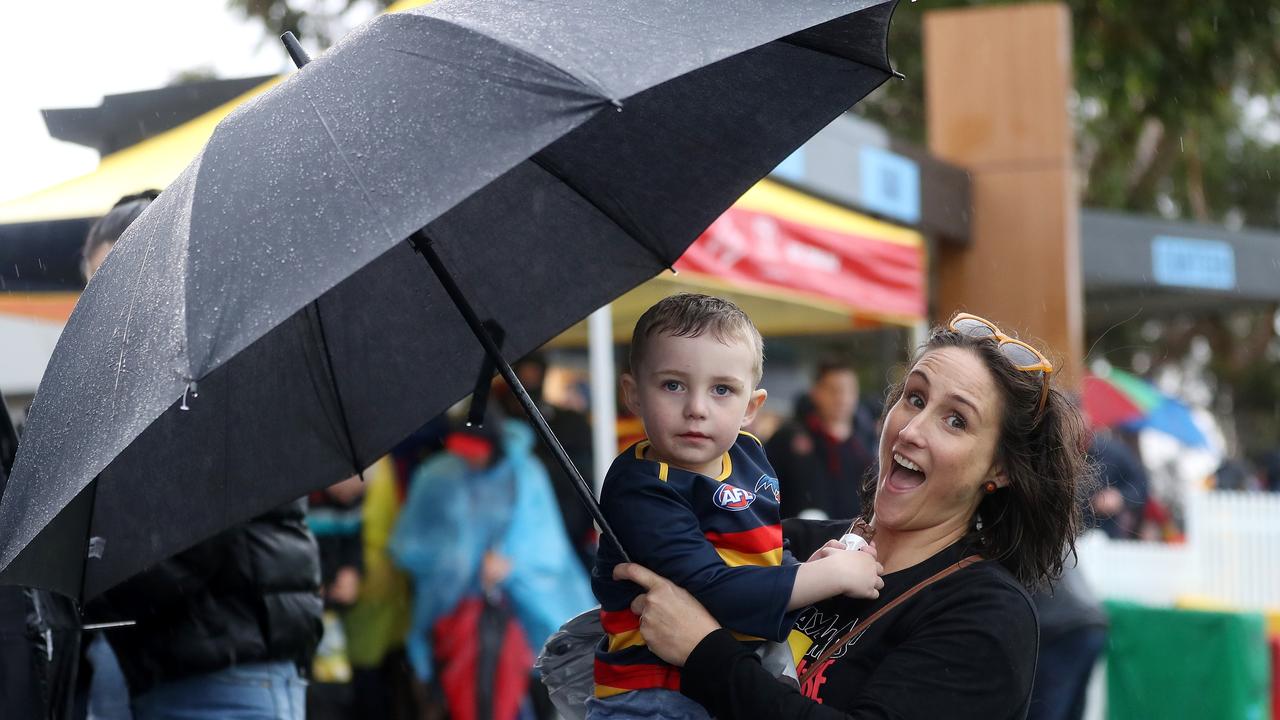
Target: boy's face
(693, 394)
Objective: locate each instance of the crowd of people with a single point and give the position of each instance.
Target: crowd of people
(425, 585)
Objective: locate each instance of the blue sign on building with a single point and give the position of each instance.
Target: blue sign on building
(1186, 262)
(890, 184)
(793, 168)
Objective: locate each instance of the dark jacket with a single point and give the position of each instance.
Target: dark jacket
(247, 595)
(816, 471)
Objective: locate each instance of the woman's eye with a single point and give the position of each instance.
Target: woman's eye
(721, 390)
(956, 421)
(915, 400)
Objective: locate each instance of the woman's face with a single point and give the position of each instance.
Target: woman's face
(938, 447)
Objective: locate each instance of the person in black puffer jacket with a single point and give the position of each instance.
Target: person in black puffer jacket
(243, 606)
(223, 628)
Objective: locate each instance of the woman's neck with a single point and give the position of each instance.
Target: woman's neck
(898, 550)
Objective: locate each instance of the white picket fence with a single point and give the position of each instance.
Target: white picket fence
(1231, 556)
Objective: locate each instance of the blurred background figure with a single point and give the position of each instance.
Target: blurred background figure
(334, 516)
(822, 454)
(574, 431)
(1073, 634)
(360, 670)
(1270, 472)
(1119, 503)
(493, 571)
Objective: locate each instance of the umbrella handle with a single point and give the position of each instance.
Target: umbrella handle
(421, 243)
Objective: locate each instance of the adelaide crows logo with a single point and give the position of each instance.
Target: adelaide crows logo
(769, 485)
(733, 498)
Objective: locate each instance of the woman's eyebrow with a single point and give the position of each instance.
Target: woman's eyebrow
(966, 401)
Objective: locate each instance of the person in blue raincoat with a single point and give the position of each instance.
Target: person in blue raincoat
(480, 517)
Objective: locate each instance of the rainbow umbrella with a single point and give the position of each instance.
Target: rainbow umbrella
(1120, 399)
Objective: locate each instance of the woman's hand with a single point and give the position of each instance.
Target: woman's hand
(672, 622)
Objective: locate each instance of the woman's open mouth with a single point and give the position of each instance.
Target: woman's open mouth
(905, 475)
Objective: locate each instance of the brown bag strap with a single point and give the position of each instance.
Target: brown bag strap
(861, 627)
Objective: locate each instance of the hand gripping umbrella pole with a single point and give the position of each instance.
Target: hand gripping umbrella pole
(422, 244)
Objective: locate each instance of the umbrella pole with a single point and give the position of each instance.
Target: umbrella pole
(480, 396)
(422, 243)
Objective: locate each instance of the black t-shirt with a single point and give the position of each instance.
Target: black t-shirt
(964, 647)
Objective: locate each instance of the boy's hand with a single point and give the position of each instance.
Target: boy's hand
(836, 570)
(857, 572)
(837, 546)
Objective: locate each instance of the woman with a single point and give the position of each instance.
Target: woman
(980, 477)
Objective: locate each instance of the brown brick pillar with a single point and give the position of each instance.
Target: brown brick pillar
(997, 81)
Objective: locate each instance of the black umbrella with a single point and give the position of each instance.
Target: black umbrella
(544, 157)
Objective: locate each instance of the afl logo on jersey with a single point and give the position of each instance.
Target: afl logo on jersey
(733, 498)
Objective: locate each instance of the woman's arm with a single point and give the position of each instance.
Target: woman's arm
(719, 672)
(971, 655)
(726, 678)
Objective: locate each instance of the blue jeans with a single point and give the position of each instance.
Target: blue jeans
(653, 704)
(1062, 674)
(108, 692)
(256, 691)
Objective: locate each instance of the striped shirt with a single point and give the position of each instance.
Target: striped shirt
(719, 538)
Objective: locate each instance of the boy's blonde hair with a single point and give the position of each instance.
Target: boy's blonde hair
(691, 315)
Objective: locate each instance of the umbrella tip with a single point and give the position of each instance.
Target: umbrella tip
(294, 48)
(897, 74)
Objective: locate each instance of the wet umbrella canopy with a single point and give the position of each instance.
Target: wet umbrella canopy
(554, 155)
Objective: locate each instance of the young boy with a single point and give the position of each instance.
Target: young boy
(697, 502)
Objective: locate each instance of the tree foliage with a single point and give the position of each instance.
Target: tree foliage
(1163, 91)
(321, 21)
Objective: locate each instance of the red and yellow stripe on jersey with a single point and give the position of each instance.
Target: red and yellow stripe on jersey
(720, 538)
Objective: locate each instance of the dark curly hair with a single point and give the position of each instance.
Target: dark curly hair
(1030, 526)
(107, 229)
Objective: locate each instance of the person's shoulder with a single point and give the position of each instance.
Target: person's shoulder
(986, 588)
(749, 444)
(631, 469)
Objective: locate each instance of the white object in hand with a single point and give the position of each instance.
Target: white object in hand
(853, 541)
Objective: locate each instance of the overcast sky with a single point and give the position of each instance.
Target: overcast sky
(71, 53)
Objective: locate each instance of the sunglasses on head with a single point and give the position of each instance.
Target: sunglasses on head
(1021, 355)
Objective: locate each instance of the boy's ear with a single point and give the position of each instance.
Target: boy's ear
(758, 396)
(629, 394)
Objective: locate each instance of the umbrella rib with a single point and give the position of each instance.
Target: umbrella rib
(333, 382)
(368, 198)
(797, 44)
(591, 84)
(632, 229)
(128, 320)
